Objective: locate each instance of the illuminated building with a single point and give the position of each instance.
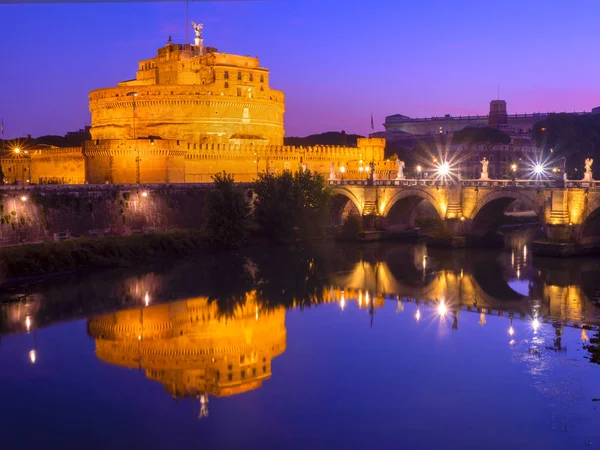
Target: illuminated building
(191, 112)
(190, 348)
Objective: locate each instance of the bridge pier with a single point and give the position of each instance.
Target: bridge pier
(471, 210)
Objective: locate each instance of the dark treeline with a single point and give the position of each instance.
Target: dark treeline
(571, 137)
(282, 208)
(328, 138)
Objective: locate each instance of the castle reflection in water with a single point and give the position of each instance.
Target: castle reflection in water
(192, 349)
(200, 346)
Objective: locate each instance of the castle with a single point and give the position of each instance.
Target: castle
(189, 113)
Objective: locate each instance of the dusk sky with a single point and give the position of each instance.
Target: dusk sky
(336, 61)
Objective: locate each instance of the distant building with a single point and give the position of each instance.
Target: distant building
(497, 117)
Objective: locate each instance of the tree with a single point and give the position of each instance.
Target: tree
(289, 206)
(227, 212)
(480, 135)
(352, 227)
(573, 137)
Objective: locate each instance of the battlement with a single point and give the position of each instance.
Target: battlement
(53, 152)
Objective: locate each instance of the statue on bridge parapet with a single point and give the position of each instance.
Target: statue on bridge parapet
(372, 171)
(401, 167)
(588, 170)
(332, 171)
(484, 169)
(304, 167)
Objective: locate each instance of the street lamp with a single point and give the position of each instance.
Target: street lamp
(444, 169)
(342, 169)
(133, 95)
(419, 168)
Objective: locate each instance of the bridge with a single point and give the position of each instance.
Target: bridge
(569, 211)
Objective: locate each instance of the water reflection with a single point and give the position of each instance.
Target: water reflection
(480, 282)
(191, 348)
(221, 327)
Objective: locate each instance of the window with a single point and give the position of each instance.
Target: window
(254, 371)
(251, 77)
(230, 367)
(262, 79)
(226, 85)
(226, 74)
(264, 369)
(262, 88)
(242, 359)
(239, 91)
(243, 374)
(239, 75)
(230, 377)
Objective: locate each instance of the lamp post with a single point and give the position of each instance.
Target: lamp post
(513, 167)
(342, 169)
(133, 95)
(419, 169)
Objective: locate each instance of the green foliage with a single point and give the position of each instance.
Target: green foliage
(480, 135)
(291, 206)
(227, 212)
(434, 226)
(352, 226)
(572, 137)
(328, 138)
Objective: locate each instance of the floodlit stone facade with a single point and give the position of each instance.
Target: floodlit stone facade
(191, 112)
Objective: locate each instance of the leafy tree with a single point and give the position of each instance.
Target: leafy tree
(480, 135)
(289, 205)
(313, 198)
(352, 227)
(227, 212)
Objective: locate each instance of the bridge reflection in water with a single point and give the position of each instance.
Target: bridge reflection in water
(196, 349)
(199, 339)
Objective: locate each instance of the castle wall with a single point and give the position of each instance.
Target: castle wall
(57, 165)
(176, 161)
(116, 161)
(191, 113)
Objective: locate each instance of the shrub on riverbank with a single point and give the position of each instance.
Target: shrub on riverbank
(291, 206)
(434, 227)
(103, 252)
(352, 227)
(227, 212)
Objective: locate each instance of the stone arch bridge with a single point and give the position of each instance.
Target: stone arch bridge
(570, 212)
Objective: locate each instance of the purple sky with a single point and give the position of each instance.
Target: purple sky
(336, 61)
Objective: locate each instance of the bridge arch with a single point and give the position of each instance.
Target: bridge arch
(589, 232)
(490, 208)
(343, 202)
(402, 205)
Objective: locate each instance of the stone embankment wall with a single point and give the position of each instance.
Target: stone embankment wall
(48, 213)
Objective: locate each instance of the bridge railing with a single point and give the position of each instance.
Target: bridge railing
(526, 183)
(406, 182)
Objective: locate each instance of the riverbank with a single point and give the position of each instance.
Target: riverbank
(36, 260)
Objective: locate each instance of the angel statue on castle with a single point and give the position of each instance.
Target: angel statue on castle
(198, 29)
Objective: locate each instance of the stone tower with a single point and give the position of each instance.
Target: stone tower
(498, 115)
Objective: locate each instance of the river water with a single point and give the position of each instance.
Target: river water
(384, 346)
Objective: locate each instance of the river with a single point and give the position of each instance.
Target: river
(335, 346)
